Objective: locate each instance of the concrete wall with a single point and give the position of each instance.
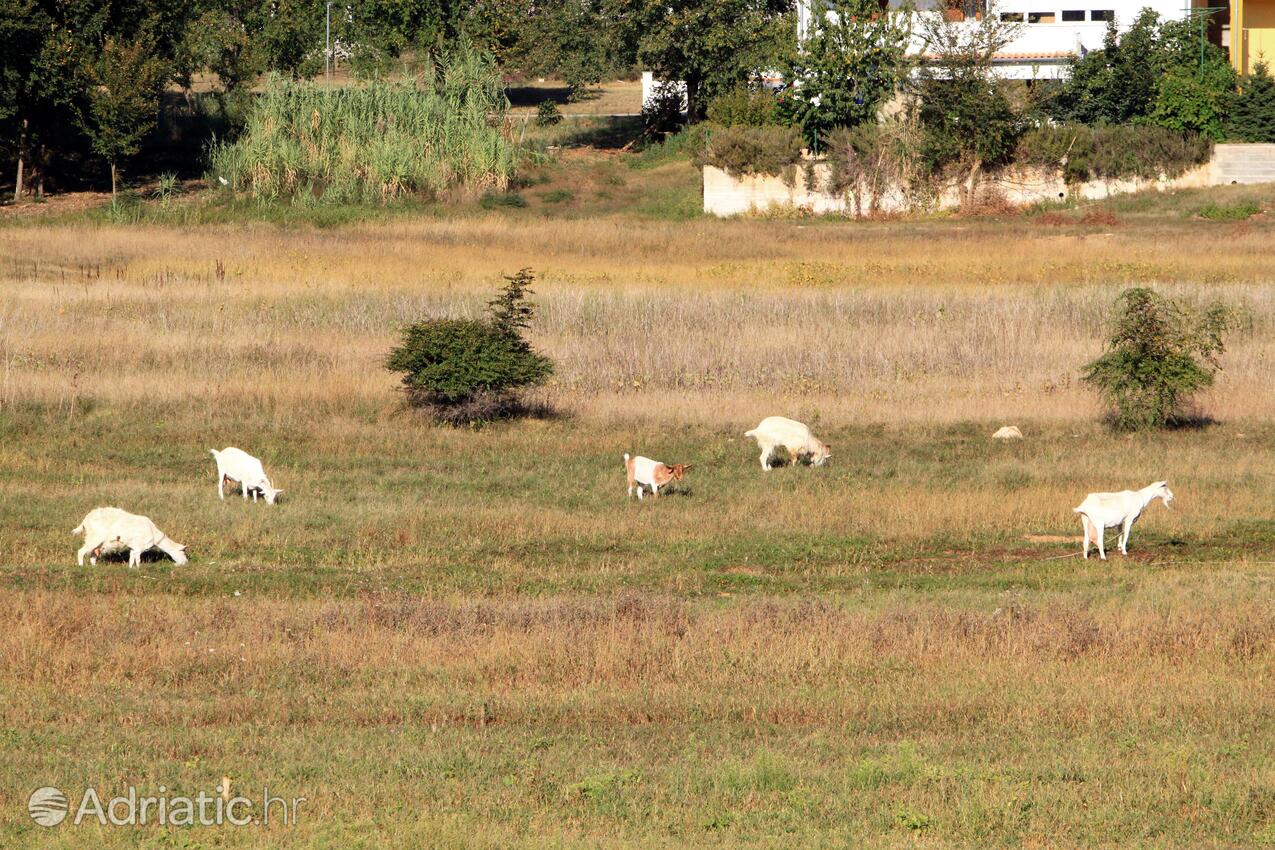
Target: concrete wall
(726, 195)
(1243, 164)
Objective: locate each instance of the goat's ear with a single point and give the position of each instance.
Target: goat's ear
(688, 467)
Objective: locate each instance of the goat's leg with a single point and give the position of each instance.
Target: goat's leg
(1101, 532)
(221, 485)
(134, 557)
(1084, 522)
(1125, 528)
(765, 458)
(84, 550)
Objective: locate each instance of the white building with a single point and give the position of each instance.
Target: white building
(1051, 32)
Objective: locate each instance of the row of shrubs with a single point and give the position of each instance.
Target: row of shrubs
(1081, 152)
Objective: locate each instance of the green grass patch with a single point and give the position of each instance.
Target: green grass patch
(1228, 212)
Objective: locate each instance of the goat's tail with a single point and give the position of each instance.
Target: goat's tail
(1079, 510)
(213, 452)
(79, 529)
(626, 457)
(752, 433)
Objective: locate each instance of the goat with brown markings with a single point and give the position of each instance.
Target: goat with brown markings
(644, 472)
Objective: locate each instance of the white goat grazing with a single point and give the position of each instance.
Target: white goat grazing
(776, 431)
(106, 529)
(1100, 511)
(237, 465)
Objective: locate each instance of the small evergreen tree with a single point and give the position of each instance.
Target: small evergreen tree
(1158, 355)
(470, 370)
(1253, 116)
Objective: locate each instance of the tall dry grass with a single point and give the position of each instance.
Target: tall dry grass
(934, 322)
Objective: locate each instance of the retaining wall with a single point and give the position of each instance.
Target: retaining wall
(727, 195)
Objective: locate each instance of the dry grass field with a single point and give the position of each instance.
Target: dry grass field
(469, 638)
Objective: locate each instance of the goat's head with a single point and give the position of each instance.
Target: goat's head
(270, 493)
(1163, 493)
(678, 470)
(820, 457)
(176, 551)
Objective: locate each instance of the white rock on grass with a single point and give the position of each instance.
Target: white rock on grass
(1009, 432)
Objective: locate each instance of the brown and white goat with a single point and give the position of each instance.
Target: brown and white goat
(643, 472)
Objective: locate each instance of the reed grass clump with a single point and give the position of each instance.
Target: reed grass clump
(370, 144)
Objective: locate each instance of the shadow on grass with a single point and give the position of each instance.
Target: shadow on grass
(536, 95)
(605, 132)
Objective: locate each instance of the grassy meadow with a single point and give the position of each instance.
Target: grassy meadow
(470, 638)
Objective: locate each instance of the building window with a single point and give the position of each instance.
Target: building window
(1012, 16)
(1040, 17)
(1074, 15)
(1102, 15)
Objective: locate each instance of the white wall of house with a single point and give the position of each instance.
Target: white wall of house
(1052, 31)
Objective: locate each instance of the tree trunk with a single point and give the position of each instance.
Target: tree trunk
(971, 183)
(692, 99)
(37, 168)
(22, 144)
(112, 180)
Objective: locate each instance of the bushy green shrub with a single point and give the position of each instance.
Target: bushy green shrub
(755, 150)
(1158, 355)
(1113, 151)
(743, 106)
(870, 160)
(468, 370)
(548, 114)
(376, 142)
(1195, 101)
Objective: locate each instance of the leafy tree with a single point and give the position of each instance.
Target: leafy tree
(1253, 115)
(713, 45)
(23, 29)
(1116, 84)
(1158, 355)
(467, 370)
(124, 80)
(968, 120)
(1157, 71)
(1192, 94)
(574, 39)
(847, 68)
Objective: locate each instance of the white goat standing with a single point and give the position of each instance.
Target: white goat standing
(111, 528)
(1100, 511)
(776, 431)
(237, 465)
